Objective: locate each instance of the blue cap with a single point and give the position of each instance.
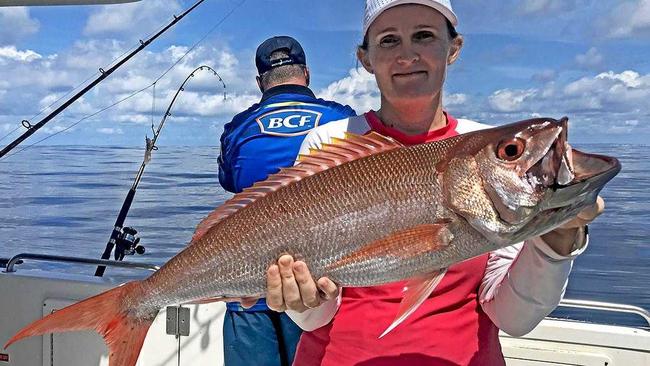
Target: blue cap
(296, 56)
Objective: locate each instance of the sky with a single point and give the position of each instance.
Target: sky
(588, 60)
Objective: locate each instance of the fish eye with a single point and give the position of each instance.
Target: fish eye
(510, 150)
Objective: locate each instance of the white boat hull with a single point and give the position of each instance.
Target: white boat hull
(26, 296)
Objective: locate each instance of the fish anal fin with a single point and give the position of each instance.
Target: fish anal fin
(407, 243)
(339, 152)
(416, 291)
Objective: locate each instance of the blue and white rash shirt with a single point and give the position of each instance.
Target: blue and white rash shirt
(267, 136)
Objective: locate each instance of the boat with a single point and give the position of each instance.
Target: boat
(192, 334)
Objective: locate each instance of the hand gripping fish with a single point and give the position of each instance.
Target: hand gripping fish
(362, 211)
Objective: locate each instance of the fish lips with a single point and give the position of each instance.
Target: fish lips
(590, 174)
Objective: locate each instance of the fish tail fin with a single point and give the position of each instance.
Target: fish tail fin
(123, 333)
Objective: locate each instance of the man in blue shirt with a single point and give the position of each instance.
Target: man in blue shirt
(257, 143)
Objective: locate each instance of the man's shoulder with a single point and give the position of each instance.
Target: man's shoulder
(246, 114)
(336, 105)
(318, 104)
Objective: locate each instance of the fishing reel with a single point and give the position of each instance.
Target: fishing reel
(127, 243)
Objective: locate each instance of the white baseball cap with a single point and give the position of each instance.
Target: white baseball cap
(375, 7)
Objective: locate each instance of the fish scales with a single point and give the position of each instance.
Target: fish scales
(317, 221)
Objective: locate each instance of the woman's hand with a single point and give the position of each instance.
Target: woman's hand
(562, 239)
(290, 286)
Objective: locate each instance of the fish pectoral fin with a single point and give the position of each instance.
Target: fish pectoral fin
(409, 243)
(416, 291)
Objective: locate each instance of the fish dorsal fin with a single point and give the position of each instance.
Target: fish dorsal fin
(340, 151)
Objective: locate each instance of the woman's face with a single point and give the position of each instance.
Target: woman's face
(409, 48)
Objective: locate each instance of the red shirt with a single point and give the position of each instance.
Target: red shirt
(449, 328)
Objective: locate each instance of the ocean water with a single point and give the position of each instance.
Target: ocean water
(64, 200)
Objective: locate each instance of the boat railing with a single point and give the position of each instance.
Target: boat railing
(606, 306)
(10, 264)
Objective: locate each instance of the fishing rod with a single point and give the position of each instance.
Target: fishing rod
(125, 239)
(31, 129)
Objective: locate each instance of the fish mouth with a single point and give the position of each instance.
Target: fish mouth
(555, 168)
(571, 175)
(590, 174)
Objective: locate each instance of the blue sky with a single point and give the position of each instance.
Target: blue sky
(584, 59)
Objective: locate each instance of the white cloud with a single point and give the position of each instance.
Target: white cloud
(110, 131)
(542, 7)
(623, 92)
(628, 19)
(591, 59)
(455, 99)
(598, 105)
(15, 23)
(358, 90)
(52, 129)
(507, 100)
(545, 76)
(605, 93)
(12, 53)
(120, 19)
(46, 79)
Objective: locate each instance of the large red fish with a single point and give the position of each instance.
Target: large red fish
(363, 211)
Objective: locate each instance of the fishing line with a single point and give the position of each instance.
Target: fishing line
(153, 103)
(123, 239)
(112, 62)
(9, 134)
(210, 31)
(104, 74)
(202, 38)
(79, 121)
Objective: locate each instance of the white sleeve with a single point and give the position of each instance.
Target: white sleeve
(325, 133)
(315, 318)
(524, 283)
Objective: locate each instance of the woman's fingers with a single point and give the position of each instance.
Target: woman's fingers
(593, 211)
(328, 289)
(290, 286)
(290, 289)
(274, 296)
(587, 215)
(306, 285)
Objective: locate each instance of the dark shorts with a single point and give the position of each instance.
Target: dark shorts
(261, 338)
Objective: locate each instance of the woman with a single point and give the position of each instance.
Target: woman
(408, 46)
